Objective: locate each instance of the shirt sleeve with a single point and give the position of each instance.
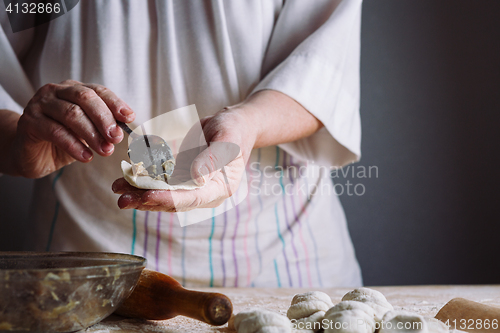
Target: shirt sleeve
(313, 57)
(15, 87)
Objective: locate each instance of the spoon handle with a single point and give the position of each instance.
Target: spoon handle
(127, 129)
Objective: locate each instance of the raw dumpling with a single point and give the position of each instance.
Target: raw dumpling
(308, 309)
(403, 322)
(350, 317)
(142, 180)
(261, 321)
(373, 298)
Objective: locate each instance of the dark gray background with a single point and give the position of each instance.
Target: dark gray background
(431, 113)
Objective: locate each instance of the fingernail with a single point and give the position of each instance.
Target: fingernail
(126, 112)
(114, 131)
(203, 172)
(200, 181)
(107, 147)
(87, 155)
(128, 198)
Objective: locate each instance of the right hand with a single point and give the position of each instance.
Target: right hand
(63, 122)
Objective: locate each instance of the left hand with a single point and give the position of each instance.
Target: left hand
(230, 125)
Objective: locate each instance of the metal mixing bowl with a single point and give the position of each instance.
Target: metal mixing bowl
(64, 291)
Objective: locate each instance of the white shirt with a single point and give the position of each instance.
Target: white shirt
(162, 55)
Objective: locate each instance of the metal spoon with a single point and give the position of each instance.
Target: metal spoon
(152, 151)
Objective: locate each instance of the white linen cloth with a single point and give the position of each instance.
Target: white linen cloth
(162, 55)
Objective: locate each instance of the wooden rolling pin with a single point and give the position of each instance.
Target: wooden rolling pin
(158, 296)
(469, 316)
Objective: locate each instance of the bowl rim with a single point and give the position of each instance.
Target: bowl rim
(122, 261)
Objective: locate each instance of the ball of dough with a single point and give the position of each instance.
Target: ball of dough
(351, 305)
(261, 321)
(312, 296)
(403, 322)
(307, 309)
(373, 298)
(309, 324)
(350, 317)
(306, 304)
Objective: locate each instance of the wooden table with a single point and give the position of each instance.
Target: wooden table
(425, 300)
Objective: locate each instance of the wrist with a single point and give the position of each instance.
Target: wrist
(246, 124)
(278, 118)
(255, 115)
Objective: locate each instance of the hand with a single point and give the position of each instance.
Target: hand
(63, 122)
(230, 125)
(264, 119)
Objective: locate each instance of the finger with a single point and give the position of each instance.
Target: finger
(130, 200)
(72, 116)
(95, 109)
(120, 110)
(210, 196)
(212, 159)
(158, 198)
(161, 200)
(43, 128)
(121, 186)
(155, 209)
(185, 200)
